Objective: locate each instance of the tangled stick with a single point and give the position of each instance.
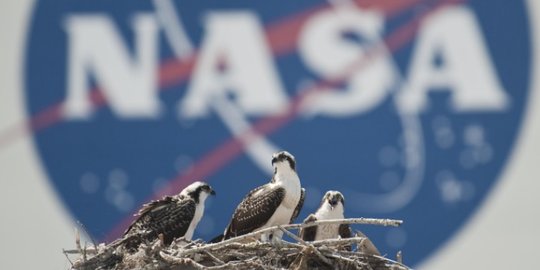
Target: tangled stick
(243, 252)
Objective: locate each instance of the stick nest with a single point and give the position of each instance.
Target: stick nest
(242, 252)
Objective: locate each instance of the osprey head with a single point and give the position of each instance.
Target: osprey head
(333, 198)
(283, 156)
(198, 191)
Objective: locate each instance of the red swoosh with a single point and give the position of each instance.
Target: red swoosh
(281, 36)
(212, 161)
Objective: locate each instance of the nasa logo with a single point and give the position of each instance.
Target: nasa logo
(410, 108)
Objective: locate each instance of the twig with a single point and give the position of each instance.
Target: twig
(341, 241)
(317, 252)
(229, 265)
(254, 263)
(237, 264)
(84, 250)
(67, 257)
(365, 221)
(214, 258)
(399, 257)
(78, 244)
(181, 261)
(368, 221)
(86, 233)
(292, 235)
(227, 244)
(339, 257)
(161, 240)
(76, 251)
(389, 260)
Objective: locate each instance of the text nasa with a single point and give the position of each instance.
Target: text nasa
(129, 80)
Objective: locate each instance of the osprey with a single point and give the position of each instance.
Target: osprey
(172, 216)
(276, 203)
(332, 207)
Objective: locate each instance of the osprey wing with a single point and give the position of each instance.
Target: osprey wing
(169, 216)
(308, 233)
(367, 246)
(345, 232)
(299, 206)
(254, 210)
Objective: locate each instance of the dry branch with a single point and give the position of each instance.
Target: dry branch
(238, 253)
(310, 246)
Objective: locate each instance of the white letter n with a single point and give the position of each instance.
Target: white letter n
(128, 83)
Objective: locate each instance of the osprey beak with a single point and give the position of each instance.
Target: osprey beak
(332, 202)
(212, 192)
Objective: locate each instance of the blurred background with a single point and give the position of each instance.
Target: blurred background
(426, 111)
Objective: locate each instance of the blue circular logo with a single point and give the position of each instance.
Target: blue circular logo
(409, 108)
